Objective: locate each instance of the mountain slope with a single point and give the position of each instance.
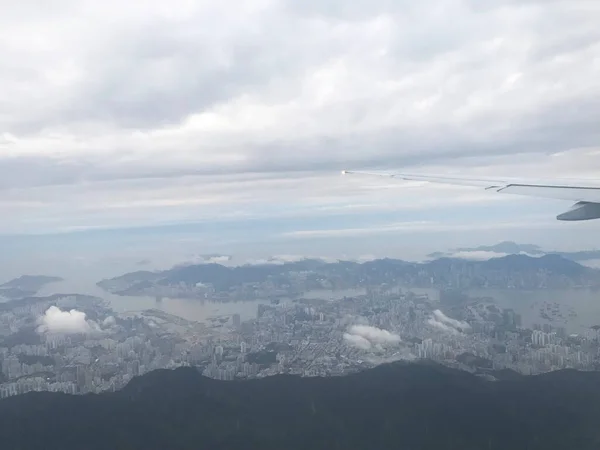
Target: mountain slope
(529, 270)
(416, 406)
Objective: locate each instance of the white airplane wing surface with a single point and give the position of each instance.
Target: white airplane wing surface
(587, 197)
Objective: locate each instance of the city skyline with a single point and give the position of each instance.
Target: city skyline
(98, 350)
(192, 255)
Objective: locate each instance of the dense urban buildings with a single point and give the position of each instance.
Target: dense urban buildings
(78, 344)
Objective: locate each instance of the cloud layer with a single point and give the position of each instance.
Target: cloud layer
(191, 112)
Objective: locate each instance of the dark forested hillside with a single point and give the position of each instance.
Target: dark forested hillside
(397, 406)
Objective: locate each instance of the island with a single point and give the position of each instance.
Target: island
(291, 279)
(25, 286)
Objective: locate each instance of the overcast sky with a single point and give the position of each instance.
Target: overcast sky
(223, 126)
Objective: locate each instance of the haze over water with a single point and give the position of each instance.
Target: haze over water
(191, 309)
(585, 303)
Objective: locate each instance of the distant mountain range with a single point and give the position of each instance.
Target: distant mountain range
(520, 271)
(418, 406)
(512, 248)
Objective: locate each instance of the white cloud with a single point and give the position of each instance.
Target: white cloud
(403, 354)
(447, 324)
(483, 255)
(439, 315)
(365, 258)
(357, 341)
(110, 321)
(593, 263)
(374, 334)
(202, 112)
(366, 337)
(206, 259)
(283, 259)
(477, 255)
(442, 326)
(219, 259)
(419, 227)
(55, 320)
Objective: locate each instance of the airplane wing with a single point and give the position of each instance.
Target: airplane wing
(587, 198)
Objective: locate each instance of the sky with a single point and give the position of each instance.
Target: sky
(157, 131)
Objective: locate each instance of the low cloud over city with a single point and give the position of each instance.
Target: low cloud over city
(443, 322)
(73, 321)
(366, 337)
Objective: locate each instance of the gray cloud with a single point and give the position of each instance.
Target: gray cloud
(158, 78)
(344, 11)
(564, 125)
(171, 107)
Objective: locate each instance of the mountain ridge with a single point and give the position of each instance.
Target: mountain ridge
(345, 273)
(398, 405)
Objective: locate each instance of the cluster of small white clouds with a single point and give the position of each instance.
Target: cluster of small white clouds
(283, 259)
(447, 324)
(477, 255)
(206, 259)
(483, 255)
(366, 337)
